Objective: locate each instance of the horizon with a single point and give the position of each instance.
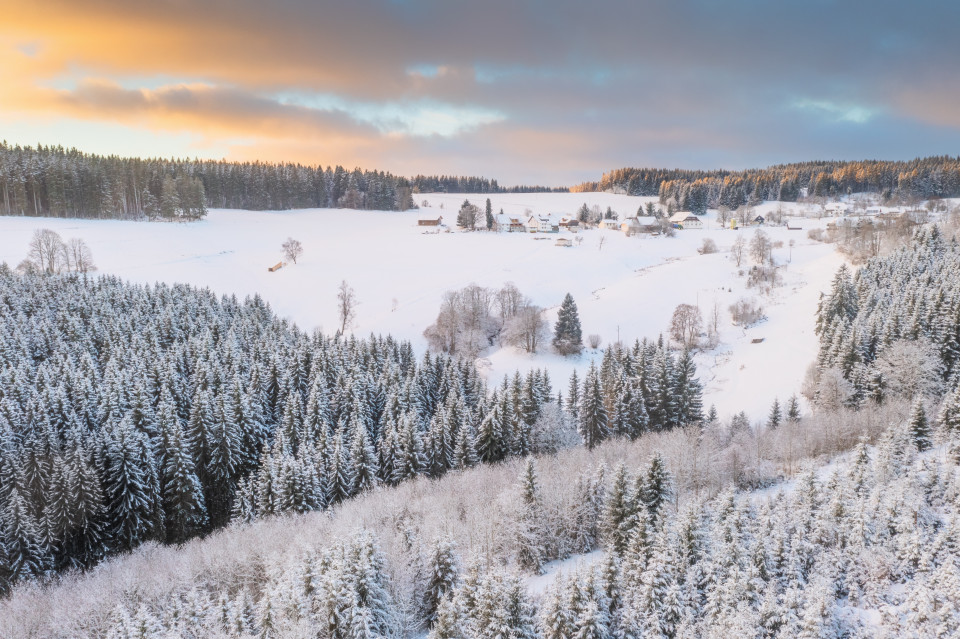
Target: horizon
(550, 96)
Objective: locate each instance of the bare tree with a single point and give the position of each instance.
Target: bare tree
(685, 325)
(708, 246)
(79, 257)
(292, 249)
(746, 312)
(593, 341)
(723, 214)
(509, 300)
(526, 329)
(737, 249)
(47, 251)
(760, 247)
(346, 305)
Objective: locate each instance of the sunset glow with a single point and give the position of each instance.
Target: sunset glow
(527, 93)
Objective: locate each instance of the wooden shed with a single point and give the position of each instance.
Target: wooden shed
(275, 267)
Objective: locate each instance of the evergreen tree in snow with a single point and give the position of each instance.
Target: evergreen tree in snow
(919, 427)
(567, 337)
(443, 575)
(775, 416)
(593, 422)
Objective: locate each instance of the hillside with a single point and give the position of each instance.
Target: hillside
(858, 541)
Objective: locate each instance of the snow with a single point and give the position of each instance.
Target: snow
(538, 584)
(624, 287)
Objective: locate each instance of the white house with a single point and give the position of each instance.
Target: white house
(613, 225)
(508, 224)
(686, 220)
(838, 208)
(542, 224)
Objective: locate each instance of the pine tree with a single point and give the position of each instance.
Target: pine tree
(949, 415)
(182, 494)
(592, 425)
(573, 395)
(793, 409)
(567, 338)
(489, 215)
(132, 486)
(530, 553)
(775, 416)
(363, 460)
(443, 575)
(658, 487)
(619, 510)
(919, 427)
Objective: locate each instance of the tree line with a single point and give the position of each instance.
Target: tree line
(57, 182)
(918, 179)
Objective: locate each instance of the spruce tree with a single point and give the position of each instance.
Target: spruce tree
(918, 426)
(573, 395)
(182, 494)
(592, 424)
(567, 338)
(775, 416)
(443, 575)
(530, 553)
(793, 409)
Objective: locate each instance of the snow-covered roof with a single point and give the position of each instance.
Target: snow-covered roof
(681, 216)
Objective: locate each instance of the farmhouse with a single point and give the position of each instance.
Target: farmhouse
(639, 224)
(686, 220)
(571, 225)
(759, 220)
(612, 225)
(541, 224)
(508, 224)
(430, 220)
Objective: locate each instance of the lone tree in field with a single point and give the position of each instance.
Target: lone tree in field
(467, 217)
(489, 215)
(685, 325)
(567, 336)
(346, 305)
(292, 249)
(47, 251)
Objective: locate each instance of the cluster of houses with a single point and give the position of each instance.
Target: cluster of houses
(636, 225)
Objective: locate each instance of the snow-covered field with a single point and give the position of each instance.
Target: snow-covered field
(626, 288)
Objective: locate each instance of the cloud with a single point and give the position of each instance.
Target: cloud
(530, 88)
(836, 112)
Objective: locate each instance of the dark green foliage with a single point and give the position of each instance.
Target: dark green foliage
(919, 426)
(567, 337)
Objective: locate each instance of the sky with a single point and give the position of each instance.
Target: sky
(527, 92)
